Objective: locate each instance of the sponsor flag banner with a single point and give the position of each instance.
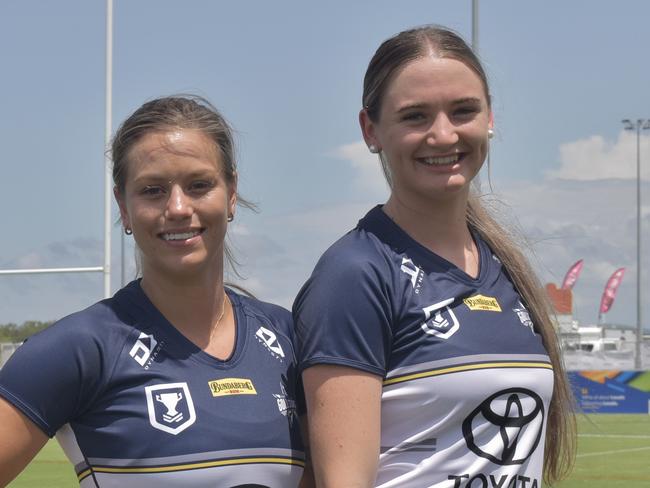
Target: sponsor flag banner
(611, 391)
(610, 290)
(572, 275)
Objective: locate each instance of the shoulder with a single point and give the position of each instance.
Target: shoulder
(358, 253)
(269, 313)
(99, 322)
(359, 262)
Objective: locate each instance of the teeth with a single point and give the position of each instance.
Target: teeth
(441, 161)
(180, 236)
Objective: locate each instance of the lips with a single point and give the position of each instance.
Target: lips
(184, 235)
(440, 160)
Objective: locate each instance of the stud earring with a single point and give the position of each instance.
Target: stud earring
(128, 231)
(373, 149)
(490, 133)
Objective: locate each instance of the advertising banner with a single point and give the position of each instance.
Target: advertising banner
(572, 275)
(609, 294)
(611, 391)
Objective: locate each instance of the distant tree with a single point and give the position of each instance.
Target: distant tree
(18, 333)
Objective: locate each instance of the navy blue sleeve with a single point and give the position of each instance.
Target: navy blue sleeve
(54, 374)
(343, 314)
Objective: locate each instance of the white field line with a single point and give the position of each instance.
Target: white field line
(621, 436)
(602, 453)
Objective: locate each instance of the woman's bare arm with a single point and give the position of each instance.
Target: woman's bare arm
(20, 441)
(343, 410)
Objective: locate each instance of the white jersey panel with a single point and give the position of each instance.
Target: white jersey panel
(481, 417)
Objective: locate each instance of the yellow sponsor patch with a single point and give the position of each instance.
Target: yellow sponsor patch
(480, 302)
(232, 386)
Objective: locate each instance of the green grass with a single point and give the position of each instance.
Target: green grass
(613, 451)
(49, 469)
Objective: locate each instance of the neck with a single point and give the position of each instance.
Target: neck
(440, 226)
(191, 303)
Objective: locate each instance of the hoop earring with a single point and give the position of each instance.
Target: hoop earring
(373, 149)
(230, 218)
(128, 231)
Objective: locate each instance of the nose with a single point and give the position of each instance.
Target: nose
(442, 131)
(179, 205)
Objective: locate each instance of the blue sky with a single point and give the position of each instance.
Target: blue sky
(288, 76)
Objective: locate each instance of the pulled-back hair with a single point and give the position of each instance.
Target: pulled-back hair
(391, 56)
(170, 113)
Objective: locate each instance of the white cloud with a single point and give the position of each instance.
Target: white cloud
(595, 158)
(370, 178)
(590, 220)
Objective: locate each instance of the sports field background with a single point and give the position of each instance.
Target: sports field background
(613, 451)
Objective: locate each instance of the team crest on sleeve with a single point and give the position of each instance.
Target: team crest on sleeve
(170, 407)
(440, 320)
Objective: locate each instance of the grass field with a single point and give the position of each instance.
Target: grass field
(613, 451)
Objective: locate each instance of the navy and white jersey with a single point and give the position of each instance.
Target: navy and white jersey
(134, 403)
(466, 380)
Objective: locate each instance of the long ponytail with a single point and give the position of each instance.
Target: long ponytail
(560, 447)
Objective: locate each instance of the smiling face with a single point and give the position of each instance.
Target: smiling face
(177, 202)
(432, 129)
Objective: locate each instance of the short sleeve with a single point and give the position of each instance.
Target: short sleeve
(52, 375)
(342, 314)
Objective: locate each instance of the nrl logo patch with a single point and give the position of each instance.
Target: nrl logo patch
(170, 407)
(480, 302)
(232, 386)
(440, 320)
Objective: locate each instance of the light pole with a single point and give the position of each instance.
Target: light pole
(639, 125)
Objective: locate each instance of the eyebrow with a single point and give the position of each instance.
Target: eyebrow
(460, 101)
(157, 178)
(466, 100)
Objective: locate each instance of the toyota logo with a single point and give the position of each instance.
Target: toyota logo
(506, 427)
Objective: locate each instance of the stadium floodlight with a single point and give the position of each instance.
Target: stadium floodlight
(641, 124)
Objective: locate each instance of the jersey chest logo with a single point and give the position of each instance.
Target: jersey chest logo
(481, 302)
(170, 407)
(440, 320)
(507, 427)
(286, 405)
(524, 316)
